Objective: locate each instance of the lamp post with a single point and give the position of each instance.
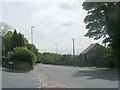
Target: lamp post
(31, 67)
(32, 34)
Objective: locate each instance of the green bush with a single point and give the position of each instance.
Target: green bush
(24, 55)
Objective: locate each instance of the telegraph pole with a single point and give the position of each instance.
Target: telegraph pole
(56, 47)
(74, 53)
(56, 52)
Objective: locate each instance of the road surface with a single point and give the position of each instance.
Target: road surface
(73, 77)
(52, 76)
(20, 80)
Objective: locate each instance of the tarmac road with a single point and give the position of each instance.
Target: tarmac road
(20, 80)
(87, 77)
(61, 76)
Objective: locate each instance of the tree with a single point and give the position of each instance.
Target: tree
(4, 28)
(21, 40)
(33, 48)
(100, 51)
(57, 59)
(18, 40)
(24, 55)
(102, 22)
(66, 59)
(17, 49)
(14, 39)
(7, 42)
(49, 58)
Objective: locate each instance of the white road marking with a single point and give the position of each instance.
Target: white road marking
(38, 87)
(35, 73)
(65, 86)
(39, 80)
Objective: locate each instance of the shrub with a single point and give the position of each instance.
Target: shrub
(24, 55)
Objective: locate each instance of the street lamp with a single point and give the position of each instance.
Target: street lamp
(32, 34)
(32, 42)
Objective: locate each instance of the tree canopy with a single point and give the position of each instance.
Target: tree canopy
(4, 28)
(15, 45)
(34, 49)
(12, 40)
(7, 42)
(102, 22)
(23, 54)
(18, 40)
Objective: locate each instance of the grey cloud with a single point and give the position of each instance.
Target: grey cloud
(70, 5)
(69, 23)
(65, 5)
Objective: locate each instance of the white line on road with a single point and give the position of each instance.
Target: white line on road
(35, 73)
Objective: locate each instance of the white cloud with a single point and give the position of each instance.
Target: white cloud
(57, 16)
(46, 1)
(60, 23)
(55, 22)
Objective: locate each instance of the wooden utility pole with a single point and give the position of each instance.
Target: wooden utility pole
(74, 53)
(56, 52)
(56, 47)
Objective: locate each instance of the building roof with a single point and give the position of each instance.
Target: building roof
(89, 48)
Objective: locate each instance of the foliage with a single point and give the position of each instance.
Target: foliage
(17, 40)
(100, 51)
(21, 40)
(57, 59)
(66, 59)
(12, 40)
(48, 58)
(17, 49)
(24, 55)
(4, 28)
(33, 48)
(7, 42)
(102, 22)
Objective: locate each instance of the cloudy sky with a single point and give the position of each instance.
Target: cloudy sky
(55, 21)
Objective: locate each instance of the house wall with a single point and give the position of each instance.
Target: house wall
(89, 59)
(110, 63)
(98, 62)
(82, 60)
(92, 58)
